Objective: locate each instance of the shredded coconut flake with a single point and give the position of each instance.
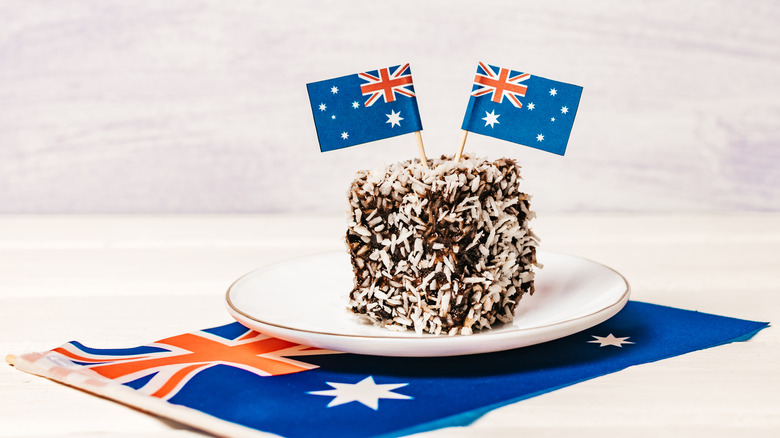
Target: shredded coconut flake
(442, 250)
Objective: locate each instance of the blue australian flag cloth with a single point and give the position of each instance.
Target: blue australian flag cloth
(364, 107)
(522, 108)
(230, 380)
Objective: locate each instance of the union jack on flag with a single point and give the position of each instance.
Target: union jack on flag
(499, 83)
(386, 82)
(162, 368)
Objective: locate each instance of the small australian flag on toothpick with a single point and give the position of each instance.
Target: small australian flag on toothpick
(364, 107)
(522, 108)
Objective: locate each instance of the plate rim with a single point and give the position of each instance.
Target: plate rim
(620, 302)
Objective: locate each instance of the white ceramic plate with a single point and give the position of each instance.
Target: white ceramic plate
(304, 301)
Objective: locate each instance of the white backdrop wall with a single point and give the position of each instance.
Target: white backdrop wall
(200, 107)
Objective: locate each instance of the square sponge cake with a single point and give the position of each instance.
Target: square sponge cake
(444, 249)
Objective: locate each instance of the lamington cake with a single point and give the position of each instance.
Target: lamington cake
(440, 249)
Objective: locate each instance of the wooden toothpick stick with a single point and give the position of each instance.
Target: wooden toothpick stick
(420, 148)
(11, 359)
(462, 144)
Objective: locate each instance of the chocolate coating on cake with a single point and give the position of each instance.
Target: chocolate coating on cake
(445, 249)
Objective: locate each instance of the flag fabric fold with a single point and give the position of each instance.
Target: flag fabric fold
(364, 107)
(230, 380)
(522, 108)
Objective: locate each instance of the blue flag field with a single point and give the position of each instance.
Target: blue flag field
(522, 108)
(364, 107)
(229, 378)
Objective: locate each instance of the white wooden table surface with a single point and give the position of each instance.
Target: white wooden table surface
(126, 280)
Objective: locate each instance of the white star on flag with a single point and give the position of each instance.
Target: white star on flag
(365, 391)
(565, 110)
(323, 107)
(552, 119)
(344, 135)
(531, 106)
(334, 89)
(539, 137)
(355, 104)
(553, 91)
(491, 118)
(333, 116)
(394, 118)
(610, 340)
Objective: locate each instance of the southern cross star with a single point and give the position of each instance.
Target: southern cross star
(539, 137)
(334, 89)
(610, 340)
(394, 118)
(553, 91)
(491, 118)
(565, 110)
(323, 107)
(344, 135)
(365, 391)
